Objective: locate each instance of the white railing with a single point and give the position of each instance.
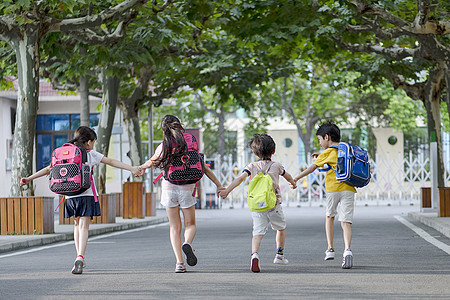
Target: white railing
(394, 181)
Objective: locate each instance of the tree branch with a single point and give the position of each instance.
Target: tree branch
(157, 9)
(7, 30)
(420, 26)
(423, 9)
(89, 37)
(90, 21)
(394, 53)
(202, 104)
(372, 9)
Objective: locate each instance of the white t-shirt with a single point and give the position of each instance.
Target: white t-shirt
(94, 158)
(165, 185)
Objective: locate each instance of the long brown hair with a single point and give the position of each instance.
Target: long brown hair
(174, 144)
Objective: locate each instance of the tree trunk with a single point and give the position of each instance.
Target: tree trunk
(131, 120)
(110, 86)
(221, 137)
(27, 55)
(84, 101)
(433, 91)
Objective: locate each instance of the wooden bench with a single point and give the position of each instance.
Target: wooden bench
(26, 215)
(133, 193)
(426, 197)
(444, 202)
(150, 204)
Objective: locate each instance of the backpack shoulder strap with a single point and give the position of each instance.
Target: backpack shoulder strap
(267, 167)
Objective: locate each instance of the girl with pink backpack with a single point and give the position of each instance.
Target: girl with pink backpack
(182, 167)
(80, 202)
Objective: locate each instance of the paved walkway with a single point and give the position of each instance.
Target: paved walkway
(65, 232)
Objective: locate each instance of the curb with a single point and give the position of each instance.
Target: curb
(41, 240)
(431, 220)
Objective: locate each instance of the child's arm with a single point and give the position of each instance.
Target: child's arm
(210, 174)
(40, 173)
(308, 171)
(118, 164)
(151, 162)
(289, 179)
(237, 181)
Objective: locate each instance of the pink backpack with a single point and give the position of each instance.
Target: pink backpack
(188, 168)
(70, 174)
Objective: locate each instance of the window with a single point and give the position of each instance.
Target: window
(52, 131)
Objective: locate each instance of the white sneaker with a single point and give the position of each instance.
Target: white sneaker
(280, 259)
(254, 263)
(78, 266)
(329, 254)
(347, 259)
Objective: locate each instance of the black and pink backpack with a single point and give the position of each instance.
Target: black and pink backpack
(70, 174)
(188, 168)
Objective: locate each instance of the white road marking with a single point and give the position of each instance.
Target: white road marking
(425, 235)
(103, 236)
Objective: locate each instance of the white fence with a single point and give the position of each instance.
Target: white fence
(394, 181)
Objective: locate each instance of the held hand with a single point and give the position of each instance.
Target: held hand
(223, 193)
(137, 171)
(314, 155)
(219, 190)
(293, 185)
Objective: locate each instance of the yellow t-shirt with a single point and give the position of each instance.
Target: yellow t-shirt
(329, 157)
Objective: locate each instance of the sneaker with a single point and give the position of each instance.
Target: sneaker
(280, 259)
(180, 268)
(84, 263)
(254, 263)
(78, 266)
(347, 260)
(329, 254)
(190, 256)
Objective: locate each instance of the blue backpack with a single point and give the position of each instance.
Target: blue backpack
(352, 165)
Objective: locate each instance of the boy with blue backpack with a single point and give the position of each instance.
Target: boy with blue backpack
(338, 192)
(264, 198)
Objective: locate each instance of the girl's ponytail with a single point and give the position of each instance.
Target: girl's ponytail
(174, 144)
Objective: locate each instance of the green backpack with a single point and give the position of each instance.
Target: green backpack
(261, 196)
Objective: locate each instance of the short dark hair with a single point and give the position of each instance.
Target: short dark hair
(331, 129)
(262, 145)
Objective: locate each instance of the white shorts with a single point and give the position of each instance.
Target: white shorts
(173, 198)
(261, 220)
(346, 199)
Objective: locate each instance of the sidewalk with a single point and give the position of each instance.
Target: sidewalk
(432, 220)
(65, 232)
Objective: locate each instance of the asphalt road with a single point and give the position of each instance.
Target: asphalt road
(391, 261)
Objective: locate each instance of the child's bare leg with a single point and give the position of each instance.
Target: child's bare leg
(83, 228)
(190, 228)
(76, 233)
(347, 233)
(175, 231)
(256, 242)
(329, 229)
(280, 238)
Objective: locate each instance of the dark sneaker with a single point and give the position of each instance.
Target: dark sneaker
(347, 260)
(329, 254)
(180, 268)
(78, 266)
(254, 263)
(190, 256)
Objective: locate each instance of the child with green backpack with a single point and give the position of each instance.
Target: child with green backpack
(264, 198)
